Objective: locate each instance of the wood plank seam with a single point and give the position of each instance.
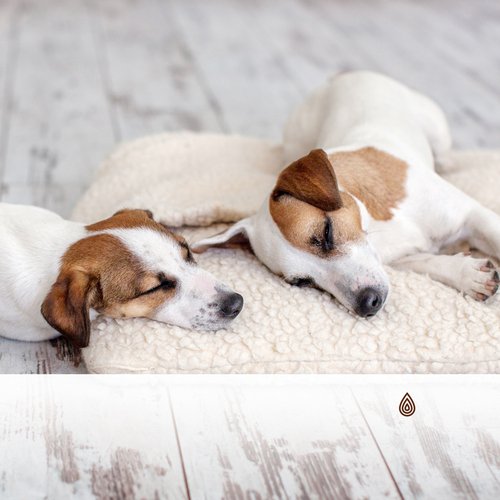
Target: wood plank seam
(179, 448)
(377, 445)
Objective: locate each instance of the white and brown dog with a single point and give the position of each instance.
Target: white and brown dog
(366, 195)
(56, 274)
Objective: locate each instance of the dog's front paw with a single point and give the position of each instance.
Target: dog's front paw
(480, 279)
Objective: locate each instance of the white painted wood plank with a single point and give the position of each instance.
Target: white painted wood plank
(7, 61)
(87, 437)
(449, 448)
(275, 440)
(152, 81)
(308, 48)
(455, 52)
(60, 198)
(58, 122)
(249, 437)
(486, 20)
(388, 37)
(239, 67)
(55, 356)
(401, 39)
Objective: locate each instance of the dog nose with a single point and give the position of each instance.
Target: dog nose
(231, 305)
(369, 302)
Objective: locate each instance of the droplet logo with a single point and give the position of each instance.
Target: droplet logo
(407, 406)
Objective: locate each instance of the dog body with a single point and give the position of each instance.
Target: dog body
(368, 194)
(361, 111)
(56, 275)
(32, 245)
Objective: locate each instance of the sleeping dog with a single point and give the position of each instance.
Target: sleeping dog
(366, 195)
(55, 275)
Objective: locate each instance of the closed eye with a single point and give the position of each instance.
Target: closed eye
(328, 235)
(165, 284)
(325, 243)
(302, 281)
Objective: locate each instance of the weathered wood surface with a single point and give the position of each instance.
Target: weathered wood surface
(55, 356)
(57, 122)
(450, 447)
(107, 438)
(78, 76)
(253, 437)
(150, 78)
(277, 441)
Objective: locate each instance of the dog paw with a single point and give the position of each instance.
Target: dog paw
(480, 278)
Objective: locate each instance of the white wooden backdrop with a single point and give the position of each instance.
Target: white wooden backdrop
(249, 437)
(79, 76)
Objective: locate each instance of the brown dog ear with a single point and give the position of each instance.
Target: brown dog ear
(310, 179)
(148, 213)
(66, 307)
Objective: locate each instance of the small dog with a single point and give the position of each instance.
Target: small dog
(366, 195)
(125, 266)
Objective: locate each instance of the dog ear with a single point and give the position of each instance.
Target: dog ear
(146, 212)
(66, 307)
(237, 236)
(310, 179)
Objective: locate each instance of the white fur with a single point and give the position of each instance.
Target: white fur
(365, 109)
(359, 267)
(32, 243)
(33, 240)
(197, 288)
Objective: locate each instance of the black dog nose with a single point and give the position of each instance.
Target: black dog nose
(369, 302)
(231, 305)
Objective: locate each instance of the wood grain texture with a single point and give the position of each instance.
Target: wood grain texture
(87, 437)
(252, 437)
(58, 123)
(277, 441)
(151, 80)
(448, 448)
(55, 356)
(7, 64)
(248, 81)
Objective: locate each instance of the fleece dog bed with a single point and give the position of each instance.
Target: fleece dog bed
(198, 183)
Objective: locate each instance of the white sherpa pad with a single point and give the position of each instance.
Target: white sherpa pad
(201, 180)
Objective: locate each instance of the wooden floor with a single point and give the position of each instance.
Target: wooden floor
(239, 438)
(79, 76)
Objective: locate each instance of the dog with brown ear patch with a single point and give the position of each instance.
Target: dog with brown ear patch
(361, 191)
(57, 275)
(310, 232)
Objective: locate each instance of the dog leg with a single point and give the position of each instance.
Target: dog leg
(483, 226)
(475, 277)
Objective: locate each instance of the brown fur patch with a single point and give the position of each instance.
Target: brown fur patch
(127, 219)
(374, 177)
(310, 179)
(120, 275)
(300, 222)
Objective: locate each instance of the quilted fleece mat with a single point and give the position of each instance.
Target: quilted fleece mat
(198, 183)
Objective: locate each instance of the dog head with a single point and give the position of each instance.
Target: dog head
(131, 266)
(311, 233)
